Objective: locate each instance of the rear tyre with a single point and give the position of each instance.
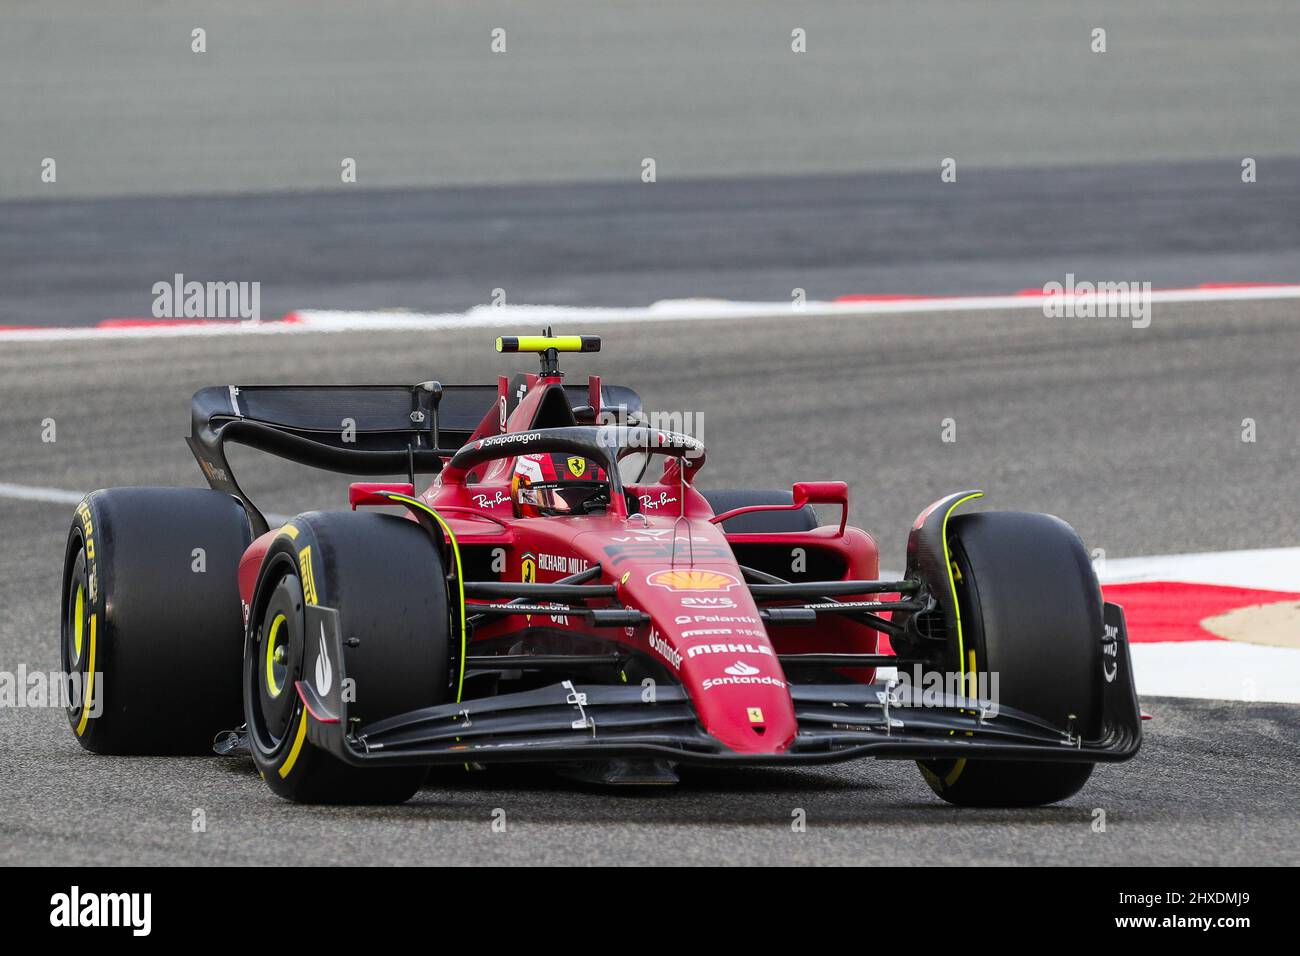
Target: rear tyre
(1031, 612)
(151, 622)
(760, 522)
(385, 577)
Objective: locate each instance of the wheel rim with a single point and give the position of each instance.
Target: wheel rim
(276, 655)
(75, 633)
(275, 660)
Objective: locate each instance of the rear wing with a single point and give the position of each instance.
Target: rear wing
(363, 430)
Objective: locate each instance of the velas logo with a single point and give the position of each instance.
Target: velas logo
(680, 579)
(76, 909)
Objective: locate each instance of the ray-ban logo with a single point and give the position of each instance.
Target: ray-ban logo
(76, 909)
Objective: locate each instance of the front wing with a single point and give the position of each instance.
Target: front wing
(568, 722)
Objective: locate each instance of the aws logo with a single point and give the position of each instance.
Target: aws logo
(528, 569)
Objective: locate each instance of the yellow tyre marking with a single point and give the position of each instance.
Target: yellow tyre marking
(308, 576)
(460, 578)
(287, 767)
(952, 584)
(78, 629)
(271, 684)
(955, 772)
(90, 683)
(290, 531)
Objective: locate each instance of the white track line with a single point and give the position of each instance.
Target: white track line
(54, 496)
(1270, 569)
(1217, 670)
(305, 321)
(61, 496)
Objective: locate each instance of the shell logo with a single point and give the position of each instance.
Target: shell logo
(676, 579)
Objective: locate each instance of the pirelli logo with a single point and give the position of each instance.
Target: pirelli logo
(308, 578)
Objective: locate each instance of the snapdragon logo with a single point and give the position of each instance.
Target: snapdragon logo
(653, 431)
(75, 909)
(1098, 300)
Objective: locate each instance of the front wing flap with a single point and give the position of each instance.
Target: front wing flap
(836, 722)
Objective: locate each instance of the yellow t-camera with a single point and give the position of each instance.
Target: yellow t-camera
(543, 343)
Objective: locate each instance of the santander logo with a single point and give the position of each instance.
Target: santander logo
(741, 669)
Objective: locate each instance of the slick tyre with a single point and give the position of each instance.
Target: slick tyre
(385, 578)
(1031, 612)
(151, 624)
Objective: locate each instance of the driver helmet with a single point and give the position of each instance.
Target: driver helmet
(545, 485)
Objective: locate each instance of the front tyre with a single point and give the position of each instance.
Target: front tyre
(1031, 612)
(385, 578)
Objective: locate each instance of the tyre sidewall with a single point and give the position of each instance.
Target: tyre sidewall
(382, 575)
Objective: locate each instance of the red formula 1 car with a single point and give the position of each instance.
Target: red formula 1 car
(562, 592)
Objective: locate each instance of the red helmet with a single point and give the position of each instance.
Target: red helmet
(556, 484)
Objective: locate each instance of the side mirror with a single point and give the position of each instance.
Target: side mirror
(823, 493)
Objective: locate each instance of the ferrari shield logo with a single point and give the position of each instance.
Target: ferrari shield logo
(577, 466)
(755, 715)
(529, 569)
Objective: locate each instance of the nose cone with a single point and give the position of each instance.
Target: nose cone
(741, 696)
(706, 627)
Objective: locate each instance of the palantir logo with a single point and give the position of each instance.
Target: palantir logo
(76, 909)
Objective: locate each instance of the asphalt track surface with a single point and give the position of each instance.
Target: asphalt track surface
(993, 231)
(1131, 435)
(588, 88)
